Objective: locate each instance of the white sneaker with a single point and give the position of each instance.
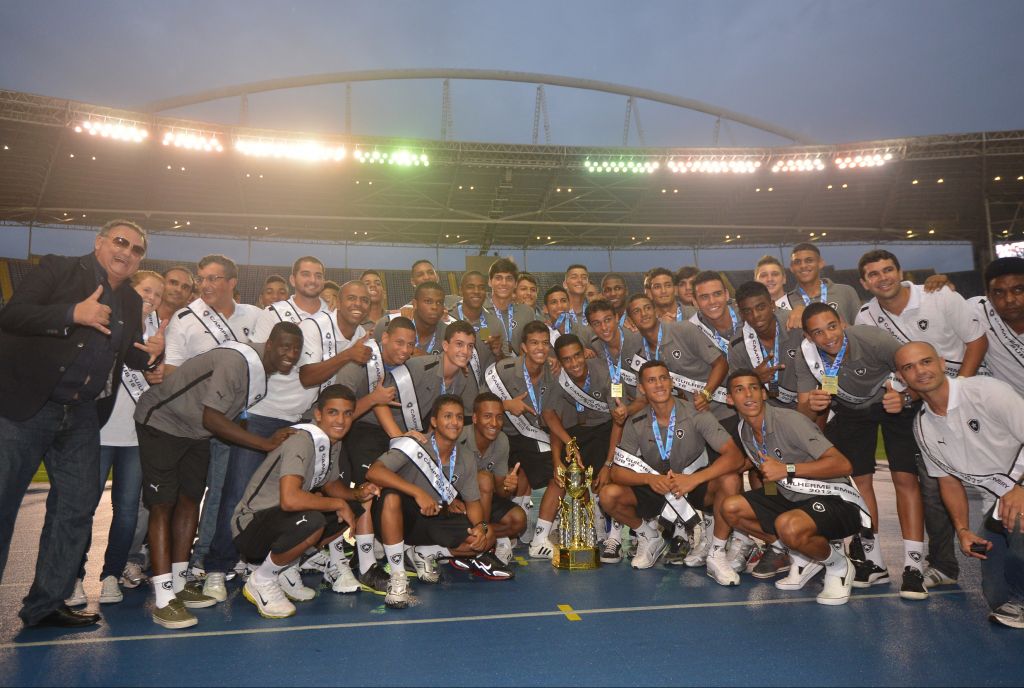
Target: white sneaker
(648, 551)
(737, 552)
(215, 586)
(317, 562)
(720, 569)
(426, 566)
(837, 588)
(799, 576)
(934, 578)
(78, 597)
(542, 549)
(132, 576)
(399, 596)
(268, 598)
(110, 593)
(698, 555)
(503, 550)
(341, 579)
(291, 584)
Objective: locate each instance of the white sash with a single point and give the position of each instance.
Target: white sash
(426, 465)
(134, 383)
(881, 318)
(321, 455)
(474, 363)
(708, 332)
(407, 397)
(523, 426)
(553, 335)
(753, 347)
(256, 385)
(675, 507)
(286, 311)
(681, 382)
(328, 339)
(1007, 337)
(817, 366)
(848, 492)
(375, 366)
(783, 302)
(212, 322)
(581, 397)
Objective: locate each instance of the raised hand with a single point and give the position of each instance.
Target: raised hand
(359, 352)
(517, 406)
(892, 401)
(92, 313)
(154, 346)
(511, 481)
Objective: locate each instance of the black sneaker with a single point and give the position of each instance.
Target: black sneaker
(611, 552)
(869, 573)
(913, 584)
(375, 580)
(856, 549)
(488, 566)
(461, 563)
(772, 563)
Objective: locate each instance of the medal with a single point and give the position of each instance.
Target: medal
(771, 488)
(615, 368)
(830, 372)
(830, 384)
(616, 390)
(773, 390)
(484, 333)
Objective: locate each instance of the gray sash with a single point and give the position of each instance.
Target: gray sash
(1007, 337)
(522, 426)
(212, 322)
(426, 465)
(256, 385)
(321, 455)
(675, 507)
(581, 397)
(681, 382)
(407, 397)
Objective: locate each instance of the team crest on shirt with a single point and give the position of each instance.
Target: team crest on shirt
(862, 371)
(490, 466)
(834, 304)
(974, 425)
(819, 507)
(597, 395)
(512, 324)
(680, 433)
(778, 453)
(321, 448)
(791, 353)
(676, 353)
(923, 324)
(246, 330)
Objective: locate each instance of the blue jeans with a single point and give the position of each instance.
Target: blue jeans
(125, 491)
(1002, 573)
(241, 466)
(67, 439)
(211, 502)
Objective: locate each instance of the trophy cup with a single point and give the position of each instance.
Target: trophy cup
(576, 549)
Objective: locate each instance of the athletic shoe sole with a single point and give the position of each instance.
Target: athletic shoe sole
(1010, 622)
(174, 625)
(764, 575)
(366, 588)
(873, 579)
(913, 595)
(111, 600)
(265, 615)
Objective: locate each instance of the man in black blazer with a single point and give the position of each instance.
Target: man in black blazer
(64, 335)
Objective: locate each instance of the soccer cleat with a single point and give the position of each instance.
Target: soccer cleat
(503, 550)
(720, 569)
(913, 584)
(426, 566)
(488, 566)
(133, 576)
(799, 576)
(1008, 614)
(737, 552)
(340, 579)
(611, 552)
(316, 562)
(269, 599)
(836, 589)
(110, 593)
(193, 598)
(374, 580)
(398, 596)
(292, 586)
(78, 597)
(772, 563)
(541, 549)
(648, 551)
(174, 615)
(215, 586)
(869, 573)
(934, 578)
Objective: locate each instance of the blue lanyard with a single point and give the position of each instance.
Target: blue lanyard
(583, 312)
(433, 338)
(506, 326)
(657, 350)
(807, 299)
(622, 320)
(476, 328)
(562, 319)
(440, 465)
(535, 399)
(832, 370)
(762, 446)
(775, 350)
(586, 389)
(721, 342)
(615, 369)
(679, 312)
(664, 448)
(444, 386)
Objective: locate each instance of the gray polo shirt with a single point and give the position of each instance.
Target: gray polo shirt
(511, 333)
(218, 378)
(842, 297)
(867, 364)
(564, 406)
(463, 479)
(426, 374)
(484, 354)
(692, 434)
(511, 373)
(791, 437)
(789, 345)
(354, 377)
(295, 456)
(431, 344)
(631, 343)
(724, 336)
(495, 459)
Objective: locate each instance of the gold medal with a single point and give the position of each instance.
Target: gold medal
(830, 384)
(771, 488)
(616, 390)
(484, 333)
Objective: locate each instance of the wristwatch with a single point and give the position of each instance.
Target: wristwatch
(790, 472)
(484, 524)
(908, 400)
(706, 394)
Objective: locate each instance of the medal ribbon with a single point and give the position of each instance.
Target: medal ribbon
(664, 449)
(440, 465)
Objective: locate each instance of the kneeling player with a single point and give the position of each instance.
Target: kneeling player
(661, 469)
(298, 498)
(808, 500)
(430, 499)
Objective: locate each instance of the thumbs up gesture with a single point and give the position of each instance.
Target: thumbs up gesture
(892, 401)
(359, 352)
(92, 313)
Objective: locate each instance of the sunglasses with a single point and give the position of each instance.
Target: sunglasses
(121, 242)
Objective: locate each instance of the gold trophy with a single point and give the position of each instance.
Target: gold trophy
(576, 549)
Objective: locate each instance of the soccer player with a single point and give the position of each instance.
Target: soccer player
(526, 294)
(615, 292)
(510, 316)
(378, 296)
(275, 289)
(577, 277)
(683, 279)
(330, 294)
(427, 317)
(770, 272)
(1001, 312)
(662, 292)
(806, 263)
(765, 345)
(488, 326)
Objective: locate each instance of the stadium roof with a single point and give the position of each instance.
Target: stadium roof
(951, 187)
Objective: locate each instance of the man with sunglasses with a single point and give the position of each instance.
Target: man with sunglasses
(64, 335)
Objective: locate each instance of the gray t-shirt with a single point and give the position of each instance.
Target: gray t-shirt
(426, 374)
(631, 343)
(791, 437)
(867, 364)
(485, 356)
(565, 407)
(295, 456)
(495, 459)
(692, 434)
(510, 329)
(463, 478)
(430, 344)
(218, 378)
(788, 345)
(354, 377)
(842, 297)
(512, 376)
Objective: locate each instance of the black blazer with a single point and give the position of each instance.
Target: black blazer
(37, 344)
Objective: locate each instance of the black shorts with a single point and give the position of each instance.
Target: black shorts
(854, 432)
(731, 424)
(500, 506)
(364, 444)
(593, 442)
(834, 518)
(445, 530)
(275, 530)
(649, 503)
(535, 464)
(171, 464)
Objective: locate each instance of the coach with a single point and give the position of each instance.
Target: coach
(64, 336)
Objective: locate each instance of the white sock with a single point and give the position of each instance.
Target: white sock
(779, 547)
(435, 551)
(268, 571)
(717, 544)
(648, 529)
(709, 526)
(178, 579)
(503, 542)
(742, 537)
(163, 589)
(395, 555)
(913, 554)
(615, 534)
(836, 564)
(872, 549)
(522, 500)
(798, 560)
(364, 546)
(541, 532)
(336, 553)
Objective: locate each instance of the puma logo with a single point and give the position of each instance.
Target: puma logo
(302, 520)
(155, 488)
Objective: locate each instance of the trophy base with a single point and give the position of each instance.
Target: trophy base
(584, 559)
